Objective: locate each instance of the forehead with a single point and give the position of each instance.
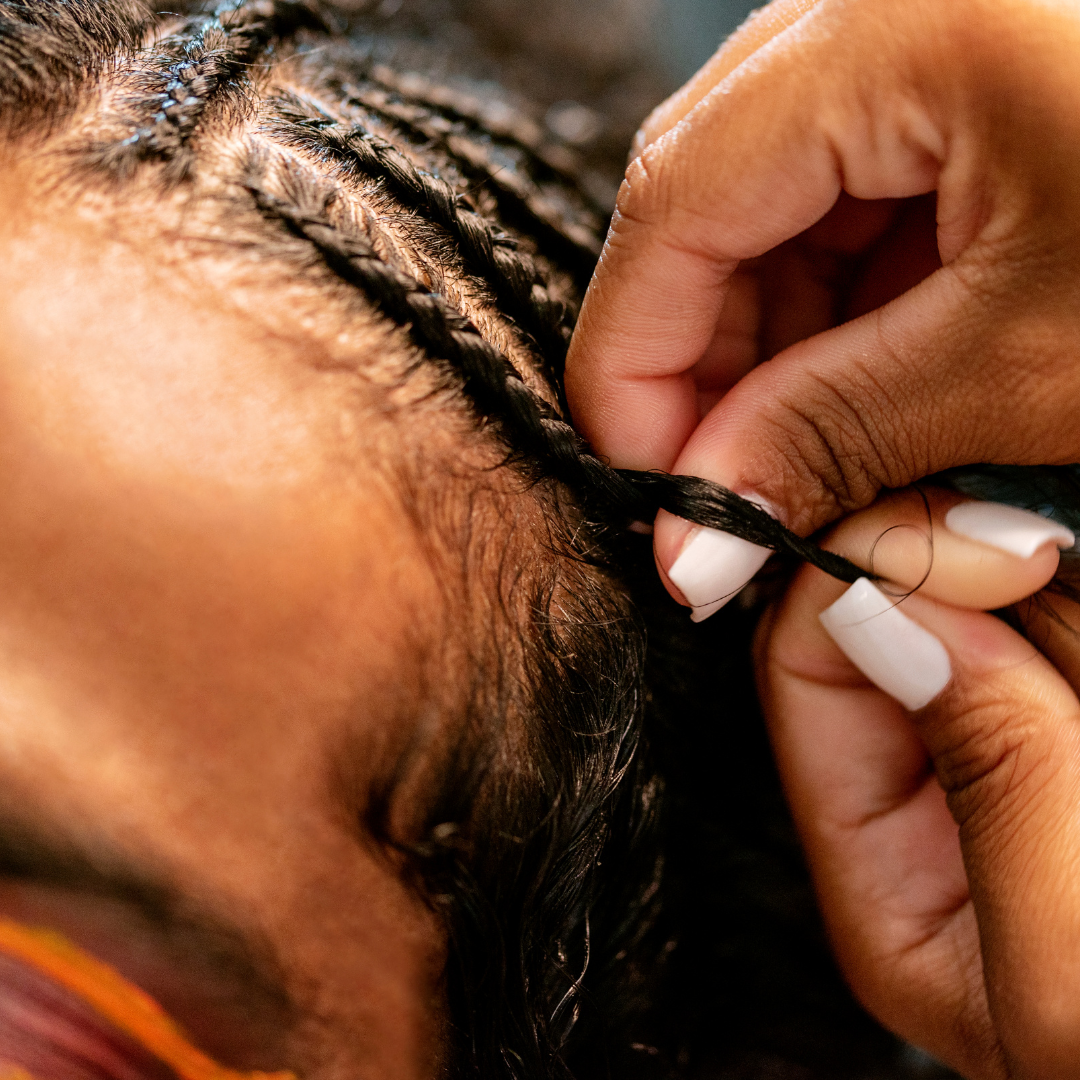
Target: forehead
(217, 619)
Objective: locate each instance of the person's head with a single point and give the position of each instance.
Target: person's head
(321, 683)
(318, 686)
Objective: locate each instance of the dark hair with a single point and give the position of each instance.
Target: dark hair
(542, 941)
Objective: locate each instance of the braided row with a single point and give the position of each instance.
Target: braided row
(440, 331)
(202, 61)
(499, 395)
(519, 287)
(466, 139)
(532, 195)
(542, 158)
(492, 118)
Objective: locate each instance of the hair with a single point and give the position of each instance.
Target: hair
(318, 151)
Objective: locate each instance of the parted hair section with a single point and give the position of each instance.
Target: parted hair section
(470, 234)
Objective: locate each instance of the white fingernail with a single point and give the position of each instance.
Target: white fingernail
(714, 567)
(1019, 532)
(894, 652)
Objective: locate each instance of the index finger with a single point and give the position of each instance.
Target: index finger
(757, 160)
(759, 29)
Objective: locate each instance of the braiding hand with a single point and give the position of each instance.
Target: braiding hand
(943, 841)
(781, 207)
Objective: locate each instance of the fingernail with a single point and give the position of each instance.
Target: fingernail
(714, 567)
(894, 652)
(1019, 532)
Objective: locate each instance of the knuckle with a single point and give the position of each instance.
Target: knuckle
(640, 198)
(661, 197)
(985, 759)
(839, 442)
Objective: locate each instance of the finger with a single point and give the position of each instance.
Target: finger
(1004, 736)
(960, 551)
(756, 162)
(1052, 623)
(879, 839)
(758, 30)
(968, 553)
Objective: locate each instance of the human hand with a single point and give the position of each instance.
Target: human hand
(944, 843)
(782, 208)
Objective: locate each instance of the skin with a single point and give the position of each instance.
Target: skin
(943, 843)
(878, 198)
(212, 644)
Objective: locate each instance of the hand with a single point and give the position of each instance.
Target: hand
(878, 197)
(945, 842)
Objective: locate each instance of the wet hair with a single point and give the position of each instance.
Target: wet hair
(545, 865)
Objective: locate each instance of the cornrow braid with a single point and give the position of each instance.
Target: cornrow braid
(536, 437)
(488, 253)
(499, 123)
(201, 63)
(543, 159)
(570, 226)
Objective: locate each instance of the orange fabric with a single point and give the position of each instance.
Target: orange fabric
(13, 1072)
(123, 1004)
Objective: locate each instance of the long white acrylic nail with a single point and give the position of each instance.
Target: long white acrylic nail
(894, 652)
(1019, 532)
(714, 567)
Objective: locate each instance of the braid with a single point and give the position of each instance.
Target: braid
(488, 253)
(542, 160)
(534, 195)
(200, 63)
(488, 378)
(464, 108)
(527, 424)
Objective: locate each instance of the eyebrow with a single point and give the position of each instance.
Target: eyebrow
(33, 855)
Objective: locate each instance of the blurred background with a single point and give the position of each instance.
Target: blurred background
(691, 30)
(588, 70)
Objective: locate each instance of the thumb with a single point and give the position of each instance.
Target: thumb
(953, 372)
(1004, 737)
